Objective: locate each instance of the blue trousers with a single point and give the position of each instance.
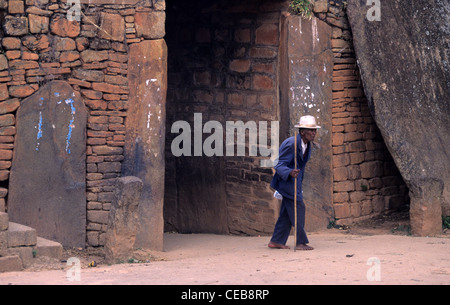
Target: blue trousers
(286, 221)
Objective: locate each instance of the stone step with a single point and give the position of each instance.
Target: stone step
(20, 235)
(11, 263)
(20, 245)
(48, 248)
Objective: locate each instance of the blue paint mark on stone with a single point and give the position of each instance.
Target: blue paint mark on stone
(39, 134)
(69, 134)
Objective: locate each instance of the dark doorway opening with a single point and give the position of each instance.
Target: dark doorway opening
(223, 65)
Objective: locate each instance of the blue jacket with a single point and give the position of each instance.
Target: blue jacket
(282, 181)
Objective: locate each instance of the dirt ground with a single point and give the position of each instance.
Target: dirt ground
(377, 251)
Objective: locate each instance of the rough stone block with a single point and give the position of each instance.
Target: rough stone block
(25, 254)
(344, 186)
(267, 34)
(342, 210)
(68, 56)
(123, 220)
(63, 44)
(112, 27)
(38, 24)
(51, 136)
(11, 43)
(340, 197)
(340, 173)
(4, 94)
(16, 7)
(63, 27)
(98, 216)
(341, 160)
(7, 120)
(16, 26)
(357, 196)
(262, 82)
(321, 6)
(21, 91)
(150, 25)
(94, 56)
(109, 88)
(107, 150)
(10, 263)
(20, 235)
(48, 248)
(3, 62)
(371, 169)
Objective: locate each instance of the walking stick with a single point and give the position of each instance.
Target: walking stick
(295, 193)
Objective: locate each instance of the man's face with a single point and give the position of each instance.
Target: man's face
(308, 135)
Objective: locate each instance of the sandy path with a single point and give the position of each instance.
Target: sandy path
(338, 258)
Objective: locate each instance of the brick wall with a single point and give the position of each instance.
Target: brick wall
(366, 180)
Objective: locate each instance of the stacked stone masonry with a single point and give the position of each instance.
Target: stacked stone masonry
(41, 42)
(366, 180)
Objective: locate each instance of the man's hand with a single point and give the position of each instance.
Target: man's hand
(294, 173)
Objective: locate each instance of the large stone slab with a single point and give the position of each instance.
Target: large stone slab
(306, 89)
(145, 129)
(123, 220)
(47, 187)
(403, 59)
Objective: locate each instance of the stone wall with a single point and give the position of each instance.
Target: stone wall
(40, 44)
(223, 63)
(366, 180)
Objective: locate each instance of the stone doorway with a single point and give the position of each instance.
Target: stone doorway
(229, 61)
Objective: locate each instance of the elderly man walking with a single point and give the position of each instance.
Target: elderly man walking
(284, 183)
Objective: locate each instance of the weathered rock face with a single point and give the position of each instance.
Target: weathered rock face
(47, 187)
(403, 60)
(123, 221)
(145, 129)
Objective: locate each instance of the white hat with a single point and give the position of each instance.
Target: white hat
(307, 121)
